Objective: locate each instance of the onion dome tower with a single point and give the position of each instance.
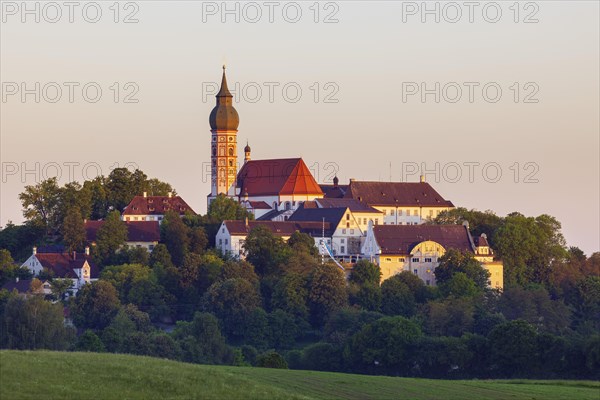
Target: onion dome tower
(247, 153)
(224, 121)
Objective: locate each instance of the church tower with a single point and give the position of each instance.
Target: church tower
(224, 121)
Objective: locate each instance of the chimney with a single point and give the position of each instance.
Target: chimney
(87, 250)
(145, 194)
(170, 194)
(335, 181)
(34, 250)
(422, 178)
(246, 221)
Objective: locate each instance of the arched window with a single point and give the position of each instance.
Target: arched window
(231, 152)
(288, 206)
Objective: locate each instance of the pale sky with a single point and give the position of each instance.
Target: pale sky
(370, 63)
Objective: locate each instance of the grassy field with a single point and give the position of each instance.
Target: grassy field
(52, 375)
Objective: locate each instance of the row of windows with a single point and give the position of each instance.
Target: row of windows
(148, 218)
(401, 212)
(414, 259)
(415, 213)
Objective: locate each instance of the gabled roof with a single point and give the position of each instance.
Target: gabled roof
(284, 176)
(137, 231)
(481, 241)
(63, 264)
(353, 204)
(257, 205)
(278, 228)
(414, 194)
(22, 286)
(157, 205)
(332, 217)
(333, 191)
(401, 239)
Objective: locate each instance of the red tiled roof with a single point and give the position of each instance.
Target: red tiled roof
(401, 239)
(415, 194)
(283, 176)
(62, 264)
(258, 205)
(157, 205)
(278, 228)
(137, 231)
(481, 241)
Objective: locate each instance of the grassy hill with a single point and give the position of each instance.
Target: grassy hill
(53, 375)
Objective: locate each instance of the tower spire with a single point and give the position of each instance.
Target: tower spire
(224, 91)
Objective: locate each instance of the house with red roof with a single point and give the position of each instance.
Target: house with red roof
(144, 234)
(418, 248)
(154, 208)
(78, 267)
(282, 184)
(402, 203)
(232, 234)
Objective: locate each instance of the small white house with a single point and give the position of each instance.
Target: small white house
(78, 267)
(232, 234)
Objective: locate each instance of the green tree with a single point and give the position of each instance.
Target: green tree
(176, 236)
(479, 221)
(137, 284)
(73, 195)
(160, 255)
(201, 340)
(302, 242)
(110, 238)
(34, 323)
(449, 317)
(223, 208)
(383, 345)
(198, 240)
(271, 359)
(73, 230)
(60, 287)
(459, 285)
(326, 292)
(322, 356)
(89, 341)
(397, 298)
(345, 322)
(283, 329)
(98, 197)
(232, 301)
(95, 305)
(535, 306)
(9, 269)
(265, 251)
(238, 269)
(455, 261)
(290, 294)
(365, 271)
(41, 205)
(529, 247)
(514, 348)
